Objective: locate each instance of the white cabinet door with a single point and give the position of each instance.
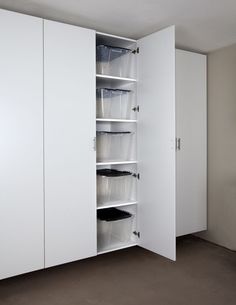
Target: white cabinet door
(156, 133)
(21, 144)
(70, 159)
(191, 106)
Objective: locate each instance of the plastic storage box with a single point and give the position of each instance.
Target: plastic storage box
(114, 146)
(114, 103)
(113, 227)
(114, 61)
(115, 186)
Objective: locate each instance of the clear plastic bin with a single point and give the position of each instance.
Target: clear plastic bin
(115, 61)
(114, 229)
(115, 186)
(114, 103)
(114, 146)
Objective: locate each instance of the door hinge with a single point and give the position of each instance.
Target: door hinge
(136, 176)
(136, 51)
(94, 143)
(136, 108)
(136, 234)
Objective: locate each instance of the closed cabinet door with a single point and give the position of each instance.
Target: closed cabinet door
(21, 144)
(69, 130)
(156, 139)
(191, 133)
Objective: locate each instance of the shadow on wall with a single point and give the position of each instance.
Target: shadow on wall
(222, 148)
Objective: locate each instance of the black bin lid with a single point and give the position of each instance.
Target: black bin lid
(113, 132)
(112, 214)
(108, 172)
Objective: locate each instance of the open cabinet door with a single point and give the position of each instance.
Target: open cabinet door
(156, 134)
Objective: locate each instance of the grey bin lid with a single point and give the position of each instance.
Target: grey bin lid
(109, 53)
(108, 91)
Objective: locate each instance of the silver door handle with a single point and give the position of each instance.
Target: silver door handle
(94, 143)
(178, 143)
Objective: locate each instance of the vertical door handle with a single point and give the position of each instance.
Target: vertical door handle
(94, 144)
(178, 143)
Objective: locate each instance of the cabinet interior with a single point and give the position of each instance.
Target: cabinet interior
(116, 141)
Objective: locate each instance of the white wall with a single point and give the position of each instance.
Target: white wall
(222, 147)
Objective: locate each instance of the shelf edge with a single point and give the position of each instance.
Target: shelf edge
(117, 205)
(110, 77)
(117, 248)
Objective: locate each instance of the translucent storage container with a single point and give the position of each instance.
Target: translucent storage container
(115, 186)
(114, 103)
(114, 146)
(113, 227)
(115, 61)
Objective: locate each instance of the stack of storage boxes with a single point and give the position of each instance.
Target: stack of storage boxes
(116, 142)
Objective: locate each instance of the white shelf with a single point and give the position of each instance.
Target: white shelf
(116, 247)
(115, 41)
(109, 36)
(107, 80)
(102, 76)
(116, 120)
(116, 204)
(116, 162)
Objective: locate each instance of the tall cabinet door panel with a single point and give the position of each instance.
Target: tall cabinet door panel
(70, 159)
(156, 97)
(21, 144)
(191, 129)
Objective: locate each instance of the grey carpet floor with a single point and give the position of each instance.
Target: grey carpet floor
(204, 274)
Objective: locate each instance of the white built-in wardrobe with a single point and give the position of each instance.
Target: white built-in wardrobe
(48, 132)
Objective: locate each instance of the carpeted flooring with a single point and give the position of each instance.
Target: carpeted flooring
(204, 274)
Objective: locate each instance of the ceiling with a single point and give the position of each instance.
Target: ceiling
(201, 25)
